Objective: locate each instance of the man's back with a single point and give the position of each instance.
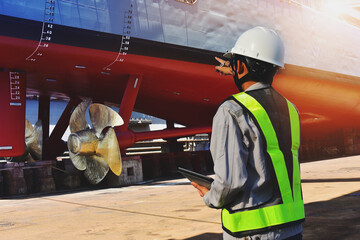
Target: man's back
(240, 160)
(245, 178)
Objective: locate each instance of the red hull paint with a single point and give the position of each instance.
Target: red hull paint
(325, 106)
(12, 120)
(183, 92)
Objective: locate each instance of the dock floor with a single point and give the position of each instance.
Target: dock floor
(172, 209)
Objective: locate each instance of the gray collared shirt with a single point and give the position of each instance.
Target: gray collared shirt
(242, 177)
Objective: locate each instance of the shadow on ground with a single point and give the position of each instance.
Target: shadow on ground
(338, 218)
(205, 236)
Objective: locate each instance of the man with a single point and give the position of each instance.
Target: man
(254, 145)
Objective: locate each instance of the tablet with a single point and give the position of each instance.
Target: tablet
(200, 179)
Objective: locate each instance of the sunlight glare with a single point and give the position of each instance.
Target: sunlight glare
(334, 7)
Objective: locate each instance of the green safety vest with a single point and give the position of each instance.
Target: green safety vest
(292, 207)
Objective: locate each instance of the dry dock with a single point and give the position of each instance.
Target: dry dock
(173, 210)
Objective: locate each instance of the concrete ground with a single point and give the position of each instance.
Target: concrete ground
(173, 210)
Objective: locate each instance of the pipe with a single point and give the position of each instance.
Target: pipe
(128, 138)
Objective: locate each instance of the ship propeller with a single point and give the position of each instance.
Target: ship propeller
(95, 150)
(33, 143)
(33, 139)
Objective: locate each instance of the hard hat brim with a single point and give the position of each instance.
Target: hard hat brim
(227, 55)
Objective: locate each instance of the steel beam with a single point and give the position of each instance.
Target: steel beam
(129, 99)
(63, 121)
(55, 145)
(44, 116)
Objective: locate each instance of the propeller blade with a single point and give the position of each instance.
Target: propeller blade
(28, 128)
(102, 116)
(34, 141)
(96, 169)
(78, 161)
(77, 119)
(109, 149)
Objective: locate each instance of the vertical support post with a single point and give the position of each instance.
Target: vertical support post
(170, 124)
(129, 99)
(44, 116)
(172, 143)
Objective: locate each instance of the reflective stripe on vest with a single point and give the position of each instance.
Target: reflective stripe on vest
(292, 208)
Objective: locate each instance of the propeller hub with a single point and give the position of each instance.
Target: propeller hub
(74, 143)
(83, 142)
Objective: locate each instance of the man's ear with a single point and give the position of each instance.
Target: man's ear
(241, 69)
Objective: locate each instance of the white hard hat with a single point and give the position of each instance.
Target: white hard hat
(260, 43)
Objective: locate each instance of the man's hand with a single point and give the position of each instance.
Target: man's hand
(224, 67)
(202, 190)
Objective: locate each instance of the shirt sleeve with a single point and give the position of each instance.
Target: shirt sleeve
(230, 156)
